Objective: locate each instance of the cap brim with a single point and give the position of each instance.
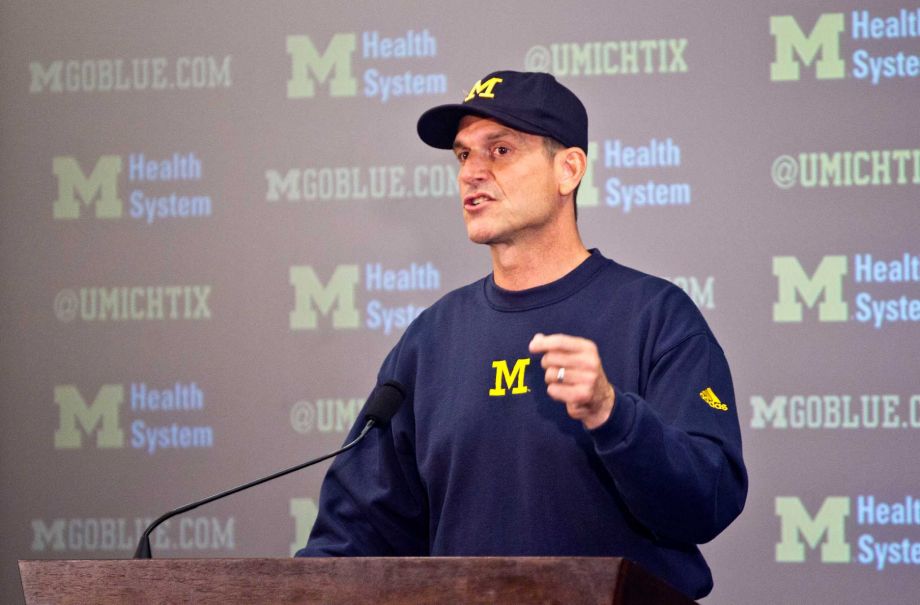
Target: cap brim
(438, 126)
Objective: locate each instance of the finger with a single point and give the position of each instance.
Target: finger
(542, 343)
(569, 394)
(567, 360)
(570, 377)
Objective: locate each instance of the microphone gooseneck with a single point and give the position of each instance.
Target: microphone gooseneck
(380, 408)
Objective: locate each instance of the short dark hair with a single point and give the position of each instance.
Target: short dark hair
(551, 146)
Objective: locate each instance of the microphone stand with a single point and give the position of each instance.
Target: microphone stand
(143, 545)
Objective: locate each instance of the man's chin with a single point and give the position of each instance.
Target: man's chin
(479, 232)
(481, 237)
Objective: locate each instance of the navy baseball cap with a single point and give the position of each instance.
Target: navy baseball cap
(531, 102)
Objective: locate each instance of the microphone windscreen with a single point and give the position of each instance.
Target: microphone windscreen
(384, 402)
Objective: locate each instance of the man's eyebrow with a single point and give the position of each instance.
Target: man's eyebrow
(499, 134)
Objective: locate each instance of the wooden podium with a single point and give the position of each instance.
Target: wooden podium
(516, 580)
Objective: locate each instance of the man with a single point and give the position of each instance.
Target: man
(623, 442)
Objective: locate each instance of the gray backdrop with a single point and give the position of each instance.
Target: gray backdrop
(217, 219)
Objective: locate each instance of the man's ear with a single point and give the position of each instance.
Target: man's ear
(571, 164)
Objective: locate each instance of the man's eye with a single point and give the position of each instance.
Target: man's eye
(462, 155)
(501, 150)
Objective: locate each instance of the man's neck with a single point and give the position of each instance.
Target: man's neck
(522, 267)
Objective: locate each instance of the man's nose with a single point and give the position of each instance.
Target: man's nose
(474, 169)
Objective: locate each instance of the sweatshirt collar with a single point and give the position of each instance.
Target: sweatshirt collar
(547, 294)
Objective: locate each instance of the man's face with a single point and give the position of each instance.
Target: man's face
(508, 182)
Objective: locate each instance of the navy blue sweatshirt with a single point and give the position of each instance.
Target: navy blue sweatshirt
(479, 460)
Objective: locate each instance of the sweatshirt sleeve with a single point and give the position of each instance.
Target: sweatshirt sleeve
(372, 501)
(675, 453)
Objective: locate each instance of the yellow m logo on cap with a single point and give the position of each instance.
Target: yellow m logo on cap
(483, 90)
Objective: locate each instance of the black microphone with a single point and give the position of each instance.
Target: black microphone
(382, 405)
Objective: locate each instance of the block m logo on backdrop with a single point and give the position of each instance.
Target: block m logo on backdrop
(304, 511)
(794, 48)
(335, 62)
(794, 283)
(100, 416)
(798, 529)
(310, 296)
(99, 188)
